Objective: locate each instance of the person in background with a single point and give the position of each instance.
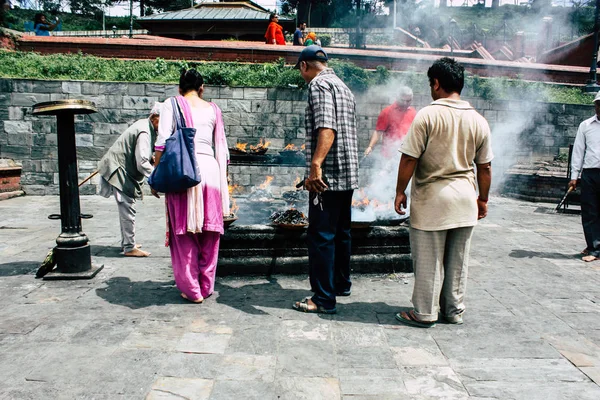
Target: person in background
(195, 216)
(41, 25)
(122, 171)
(274, 34)
(332, 176)
(299, 34)
(310, 39)
(446, 139)
(585, 161)
(4, 7)
(393, 123)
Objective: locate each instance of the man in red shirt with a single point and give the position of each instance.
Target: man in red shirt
(393, 123)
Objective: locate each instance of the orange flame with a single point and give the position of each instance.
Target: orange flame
(233, 207)
(261, 145)
(362, 200)
(303, 147)
(290, 147)
(297, 181)
(241, 146)
(234, 189)
(266, 183)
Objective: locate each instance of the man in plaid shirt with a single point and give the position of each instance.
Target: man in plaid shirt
(332, 170)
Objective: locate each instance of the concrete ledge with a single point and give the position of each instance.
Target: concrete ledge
(360, 263)
(10, 195)
(265, 250)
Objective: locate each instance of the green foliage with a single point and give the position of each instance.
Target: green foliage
(325, 39)
(505, 89)
(355, 77)
(80, 67)
(15, 19)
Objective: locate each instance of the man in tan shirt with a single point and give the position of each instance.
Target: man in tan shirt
(445, 140)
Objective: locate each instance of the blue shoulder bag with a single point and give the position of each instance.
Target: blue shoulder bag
(177, 170)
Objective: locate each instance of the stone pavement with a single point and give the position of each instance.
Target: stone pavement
(532, 326)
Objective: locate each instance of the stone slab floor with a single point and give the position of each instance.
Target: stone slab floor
(532, 326)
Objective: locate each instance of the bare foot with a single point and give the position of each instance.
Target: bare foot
(585, 252)
(137, 253)
(589, 258)
(198, 301)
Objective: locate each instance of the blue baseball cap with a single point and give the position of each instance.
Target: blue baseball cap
(312, 53)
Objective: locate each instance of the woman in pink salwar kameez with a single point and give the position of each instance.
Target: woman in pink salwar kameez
(195, 217)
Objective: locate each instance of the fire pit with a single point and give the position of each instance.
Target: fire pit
(263, 249)
(361, 224)
(241, 148)
(228, 220)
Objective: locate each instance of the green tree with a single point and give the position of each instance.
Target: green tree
(85, 7)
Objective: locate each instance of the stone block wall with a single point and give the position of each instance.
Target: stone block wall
(521, 130)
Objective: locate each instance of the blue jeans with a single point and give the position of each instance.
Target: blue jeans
(329, 246)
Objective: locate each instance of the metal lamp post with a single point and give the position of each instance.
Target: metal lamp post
(453, 24)
(72, 252)
(592, 84)
(130, 19)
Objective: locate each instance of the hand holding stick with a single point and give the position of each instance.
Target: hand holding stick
(571, 188)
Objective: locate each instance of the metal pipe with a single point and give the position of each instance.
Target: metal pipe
(130, 19)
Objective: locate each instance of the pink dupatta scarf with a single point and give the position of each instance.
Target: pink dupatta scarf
(189, 205)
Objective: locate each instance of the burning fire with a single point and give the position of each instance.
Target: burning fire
(266, 183)
(293, 147)
(261, 145)
(297, 181)
(234, 208)
(361, 201)
(241, 146)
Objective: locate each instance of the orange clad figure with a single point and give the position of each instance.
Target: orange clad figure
(274, 34)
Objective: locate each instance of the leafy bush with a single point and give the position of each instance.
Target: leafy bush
(325, 39)
(15, 19)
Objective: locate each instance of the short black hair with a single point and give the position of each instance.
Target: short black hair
(190, 80)
(273, 15)
(301, 23)
(449, 73)
(38, 18)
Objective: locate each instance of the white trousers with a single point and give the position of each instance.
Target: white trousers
(440, 262)
(127, 211)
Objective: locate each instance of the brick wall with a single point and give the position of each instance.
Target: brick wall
(521, 130)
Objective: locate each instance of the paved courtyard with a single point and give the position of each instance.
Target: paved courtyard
(532, 325)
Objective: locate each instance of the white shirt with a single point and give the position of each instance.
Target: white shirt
(586, 150)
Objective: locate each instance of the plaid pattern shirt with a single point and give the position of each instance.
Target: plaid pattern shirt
(331, 105)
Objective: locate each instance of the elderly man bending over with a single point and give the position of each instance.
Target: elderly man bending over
(122, 171)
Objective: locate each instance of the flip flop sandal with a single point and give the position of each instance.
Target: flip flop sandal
(409, 318)
(197, 301)
(304, 307)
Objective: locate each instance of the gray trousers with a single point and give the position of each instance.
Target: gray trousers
(126, 207)
(440, 262)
